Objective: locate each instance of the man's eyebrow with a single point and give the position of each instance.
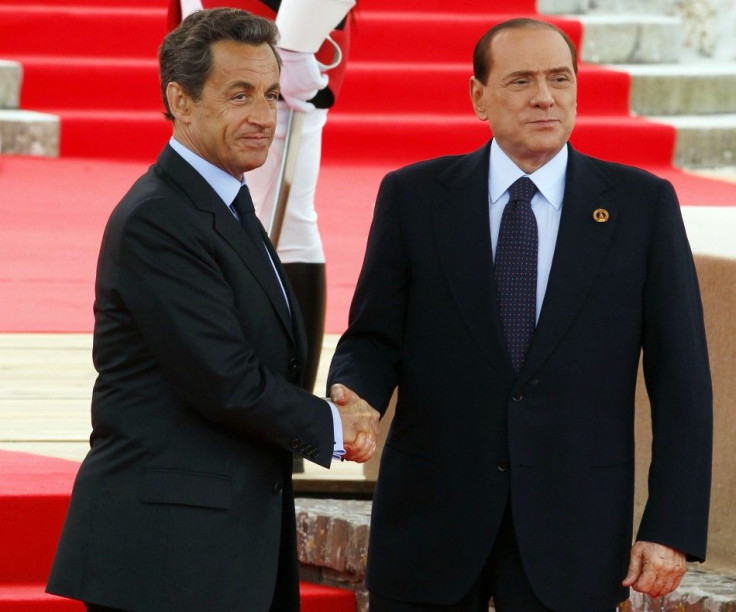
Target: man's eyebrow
(240, 85)
(247, 85)
(526, 73)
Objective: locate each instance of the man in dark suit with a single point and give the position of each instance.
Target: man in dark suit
(508, 468)
(185, 499)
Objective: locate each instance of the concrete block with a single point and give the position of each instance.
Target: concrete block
(11, 75)
(682, 89)
(609, 39)
(29, 133)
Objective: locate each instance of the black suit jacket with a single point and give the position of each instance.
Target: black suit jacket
(424, 317)
(181, 501)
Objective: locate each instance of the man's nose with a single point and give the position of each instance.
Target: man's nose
(263, 112)
(543, 95)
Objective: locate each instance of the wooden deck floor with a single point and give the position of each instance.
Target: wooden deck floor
(45, 389)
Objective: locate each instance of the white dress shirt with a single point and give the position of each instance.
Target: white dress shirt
(546, 205)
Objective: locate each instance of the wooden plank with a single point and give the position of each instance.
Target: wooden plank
(46, 385)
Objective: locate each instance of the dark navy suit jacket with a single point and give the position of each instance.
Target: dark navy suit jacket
(185, 497)
(424, 318)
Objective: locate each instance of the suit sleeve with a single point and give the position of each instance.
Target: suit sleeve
(171, 282)
(368, 354)
(677, 375)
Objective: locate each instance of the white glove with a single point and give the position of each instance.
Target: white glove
(301, 79)
(189, 6)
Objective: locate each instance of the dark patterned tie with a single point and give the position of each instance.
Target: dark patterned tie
(243, 206)
(516, 270)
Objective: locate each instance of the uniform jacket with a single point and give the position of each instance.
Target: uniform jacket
(180, 503)
(558, 441)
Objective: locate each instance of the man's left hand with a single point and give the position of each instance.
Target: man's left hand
(655, 569)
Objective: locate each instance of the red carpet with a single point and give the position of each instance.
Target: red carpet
(34, 495)
(49, 242)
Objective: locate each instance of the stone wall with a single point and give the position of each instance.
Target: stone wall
(332, 537)
(710, 28)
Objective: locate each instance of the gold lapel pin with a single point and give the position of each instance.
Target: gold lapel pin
(600, 215)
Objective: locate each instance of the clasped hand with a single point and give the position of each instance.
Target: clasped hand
(359, 423)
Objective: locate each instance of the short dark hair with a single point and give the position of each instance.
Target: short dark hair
(185, 56)
(482, 60)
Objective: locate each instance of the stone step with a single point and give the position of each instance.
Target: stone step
(705, 141)
(647, 7)
(29, 133)
(631, 39)
(11, 75)
(694, 88)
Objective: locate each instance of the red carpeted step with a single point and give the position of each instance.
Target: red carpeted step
(81, 30)
(428, 37)
(400, 138)
(30, 597)
(108, 134)
(99, 83)
(139, 135)
(319, 598)
(388, 87)
(407, 137)
(34, 495)
(512, 7)
(371, 87)
(92, 3)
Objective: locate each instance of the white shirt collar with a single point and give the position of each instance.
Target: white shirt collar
(224, 184)
(549, 179)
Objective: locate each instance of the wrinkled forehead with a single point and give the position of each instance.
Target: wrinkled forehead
(532, 49)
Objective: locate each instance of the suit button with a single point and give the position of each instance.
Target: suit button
(502, 465)
(277, 488)
(293, 363)
(517, 397)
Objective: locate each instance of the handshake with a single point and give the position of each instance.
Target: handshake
(359, 424)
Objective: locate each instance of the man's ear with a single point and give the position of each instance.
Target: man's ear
(180, 103)
(477, 89)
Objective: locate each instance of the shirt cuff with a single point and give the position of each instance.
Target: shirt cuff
(339, 449)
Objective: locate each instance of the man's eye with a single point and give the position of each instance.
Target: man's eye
(272, 96)
(241, 97)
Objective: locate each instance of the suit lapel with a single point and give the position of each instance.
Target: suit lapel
(581, 246)
(463, 235)
(204, 198)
